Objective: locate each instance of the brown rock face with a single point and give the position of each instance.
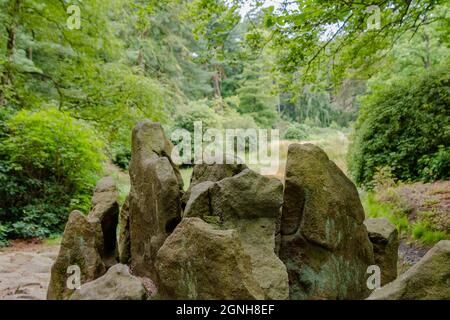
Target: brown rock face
(198, 261)
(105, 210)
(384, 238)
(155, 195)
(429, 279)
(81, 245)
(324, 244)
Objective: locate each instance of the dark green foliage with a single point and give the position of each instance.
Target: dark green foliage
(404, 126)
(196, 111)
(296, 132)
(49, 163)
(435, 166)
(122, 157)
(310, 45)
(255, 94)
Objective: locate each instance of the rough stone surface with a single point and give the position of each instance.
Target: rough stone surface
(199, 203)
(105, 210)
(81, 245)
(156, 191)
(384, 238)
(198, 261)
(212, 172)
(325, 244)
(429, 279)
(249, 203)
(116, 284)
(247, 195)
(124, 232)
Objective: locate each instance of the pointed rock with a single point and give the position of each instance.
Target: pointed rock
(324, 244)
(155, 195)
(81, 245)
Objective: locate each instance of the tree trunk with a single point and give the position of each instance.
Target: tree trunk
(216, 84)
(11, 30)
(427, 59)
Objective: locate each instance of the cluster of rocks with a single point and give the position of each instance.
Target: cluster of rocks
(234, 234)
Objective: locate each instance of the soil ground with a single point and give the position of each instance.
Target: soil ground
(25, 269)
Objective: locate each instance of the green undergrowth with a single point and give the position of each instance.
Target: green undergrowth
(419, 229)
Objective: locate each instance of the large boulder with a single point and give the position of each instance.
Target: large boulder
(429, 279)
(116, 284)
(81, 246)
(324, 244)
(155, 195)
(105, 210)
(249, 203)
(384, 238)
(198, 261)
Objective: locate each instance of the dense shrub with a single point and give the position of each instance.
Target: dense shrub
(406, 127)
(435, 166)
(296, 132)
(196, 111)
(120, 147)
(48, 165)
(122, 157)
(231, 119)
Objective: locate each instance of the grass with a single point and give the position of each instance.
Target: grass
(376, 209)
(430, 202)
(421, 230)
(52, 240)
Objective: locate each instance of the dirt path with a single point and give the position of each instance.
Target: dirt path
(25, 270)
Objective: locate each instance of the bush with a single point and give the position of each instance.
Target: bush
(119, 142)
(405, 127)
(296, 132)
(435, 166)
(3, 236)
(122, 157)
(49, 163)
(231, 119)
(196, 111)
